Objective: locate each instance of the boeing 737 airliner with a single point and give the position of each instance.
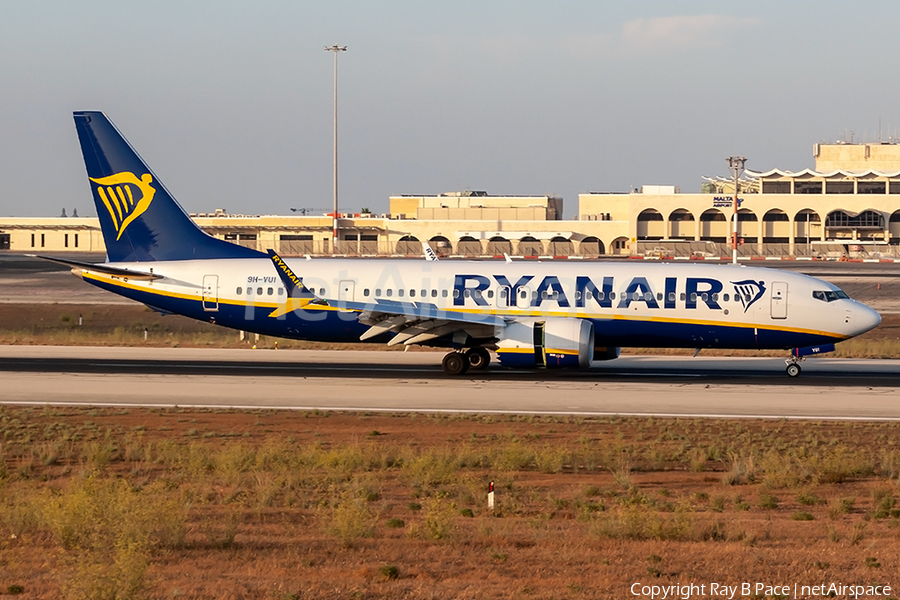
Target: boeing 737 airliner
(532, 314)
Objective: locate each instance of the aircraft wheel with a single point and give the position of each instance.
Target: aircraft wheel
(479, 358)
(455, 363)
(793, 370)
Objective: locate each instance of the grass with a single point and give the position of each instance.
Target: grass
(129, 503)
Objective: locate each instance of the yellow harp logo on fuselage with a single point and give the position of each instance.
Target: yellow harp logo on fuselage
(116, 192)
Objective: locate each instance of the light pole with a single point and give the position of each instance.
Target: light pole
(736, 164)
(334, 215)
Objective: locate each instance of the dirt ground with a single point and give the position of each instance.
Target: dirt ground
(584, 508)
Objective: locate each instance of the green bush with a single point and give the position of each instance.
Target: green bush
(389, 572)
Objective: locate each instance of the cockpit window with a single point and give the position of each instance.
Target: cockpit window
(829, 295)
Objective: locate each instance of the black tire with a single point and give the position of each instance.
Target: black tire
(455, 363)
(793, 370)
(479, 358)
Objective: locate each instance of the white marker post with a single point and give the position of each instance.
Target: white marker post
(491, 496)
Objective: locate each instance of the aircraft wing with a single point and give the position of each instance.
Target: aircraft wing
(415, 323)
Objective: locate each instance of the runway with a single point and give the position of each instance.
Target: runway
(413, 382)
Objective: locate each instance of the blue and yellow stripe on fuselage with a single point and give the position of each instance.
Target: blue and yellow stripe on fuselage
(328, 323)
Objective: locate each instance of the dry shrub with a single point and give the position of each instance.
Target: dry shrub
(840, 506)
(637, 522)
(889, 463)
(513, 457)
(438, 519)
(742, 470)
(780, 470)
(550, 459)
(697, 459)
(107, 532)
(350, 518)
(838, 464)
(430, 468)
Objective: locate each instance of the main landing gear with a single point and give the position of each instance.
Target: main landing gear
(458, 362)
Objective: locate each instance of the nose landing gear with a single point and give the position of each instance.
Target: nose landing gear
(798, 354)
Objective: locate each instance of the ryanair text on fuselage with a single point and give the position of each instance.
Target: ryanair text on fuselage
(470, 289)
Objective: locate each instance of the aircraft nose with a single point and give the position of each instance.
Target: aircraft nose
(863, 318)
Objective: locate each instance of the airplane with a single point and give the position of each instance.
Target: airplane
(531, 314)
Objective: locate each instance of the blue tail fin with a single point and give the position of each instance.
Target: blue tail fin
(140, 220)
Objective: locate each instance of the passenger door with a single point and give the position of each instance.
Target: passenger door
(779, 300)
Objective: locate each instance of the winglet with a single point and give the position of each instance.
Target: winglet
(298, 295)
(292, 283)
(506, 256)
(430, 256)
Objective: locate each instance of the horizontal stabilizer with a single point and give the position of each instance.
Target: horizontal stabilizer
(107, 269)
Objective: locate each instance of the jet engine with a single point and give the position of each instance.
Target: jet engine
(552, 343)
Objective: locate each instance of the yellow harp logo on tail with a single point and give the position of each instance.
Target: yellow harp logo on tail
(118, 195)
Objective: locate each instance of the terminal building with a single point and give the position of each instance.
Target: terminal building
(848, 206)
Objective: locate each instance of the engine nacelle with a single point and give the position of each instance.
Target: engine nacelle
(551, 343)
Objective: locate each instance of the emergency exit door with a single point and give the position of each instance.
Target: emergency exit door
(210, 293)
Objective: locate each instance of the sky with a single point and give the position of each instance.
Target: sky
(230, 102)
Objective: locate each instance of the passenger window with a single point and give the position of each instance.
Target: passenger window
(490, 294)
(456, 293)
(725, 298)
(683, 296)
(377, 292)
(365, 291)
(612, 295)
(589, 295)
(249, 291)
(523, 295)
(240, 291)
(389, 292)
(659, 296)
(424, 293)
(412, 293)
(467, 293)
(400, 292)
(704, 296)
(556, 295)
(671, 296)
(693, 297)
(270, 291)
(504, 292)
(648, 296)
(259, 291)
(321, 291)
(715, 297)
(577, 295)
(434, 293)
(444, 293)
(602, 296)
(543, 295)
